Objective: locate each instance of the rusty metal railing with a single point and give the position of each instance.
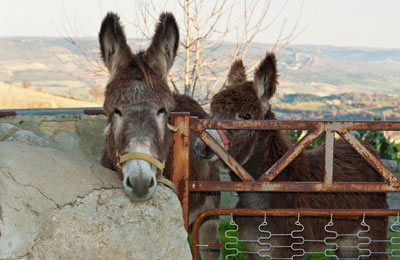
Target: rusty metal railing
(52, 111)
(180, 166)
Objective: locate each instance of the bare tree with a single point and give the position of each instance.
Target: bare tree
(204, 58)
(97, 93)
(91, 63)
(26, 84)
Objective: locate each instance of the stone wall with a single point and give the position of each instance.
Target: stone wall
(79, 134)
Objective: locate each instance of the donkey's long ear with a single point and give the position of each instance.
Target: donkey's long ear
(237, 73)
(162, 51)
(114, 49)
(266, 78)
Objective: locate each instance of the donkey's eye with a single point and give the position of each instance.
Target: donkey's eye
(117, 111)
(161, 111)
(245, 116)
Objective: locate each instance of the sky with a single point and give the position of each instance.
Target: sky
(361, 23)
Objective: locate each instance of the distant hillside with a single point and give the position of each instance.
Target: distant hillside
(346, 106)
(55, 66)
(15, 97)
(326, 70)
(52, 64)
(315, 69)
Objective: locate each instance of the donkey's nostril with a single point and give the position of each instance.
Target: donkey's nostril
(208, 152)
(152, 183)
(203, 150)
(128, 183)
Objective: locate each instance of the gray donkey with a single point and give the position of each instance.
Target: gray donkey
(138, 103)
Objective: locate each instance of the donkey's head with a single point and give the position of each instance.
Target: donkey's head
(138, 102)
(241, 99)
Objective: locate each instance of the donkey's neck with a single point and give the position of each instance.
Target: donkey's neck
(270, 147)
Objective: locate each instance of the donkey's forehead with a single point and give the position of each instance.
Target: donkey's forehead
(236, 98)
(136, 93)
(142, 107)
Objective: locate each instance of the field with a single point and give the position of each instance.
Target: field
(12, 97)
(58, 67)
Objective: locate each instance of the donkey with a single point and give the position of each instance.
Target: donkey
(137, 104)
(257, 151)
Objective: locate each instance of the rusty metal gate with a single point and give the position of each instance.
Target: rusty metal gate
(180, 168)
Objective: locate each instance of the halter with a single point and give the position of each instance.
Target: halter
(227, 143)
(160, 165)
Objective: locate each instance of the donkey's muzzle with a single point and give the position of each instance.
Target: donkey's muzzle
(203, 150)
(160, 165)
(140, 186)
(222, 137)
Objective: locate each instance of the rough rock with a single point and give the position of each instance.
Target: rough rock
(54, 205)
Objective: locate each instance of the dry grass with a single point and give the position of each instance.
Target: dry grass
(12, 97)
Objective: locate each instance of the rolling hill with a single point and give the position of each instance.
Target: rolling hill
(12, 97)
(54, 66)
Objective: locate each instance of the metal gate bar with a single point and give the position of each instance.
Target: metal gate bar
(52, 111)
(201, 124)
(179, 162)
(256, 186)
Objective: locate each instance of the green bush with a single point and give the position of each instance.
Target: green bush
(320, 256)
(296, 135)
(386, 148)
(224, 226)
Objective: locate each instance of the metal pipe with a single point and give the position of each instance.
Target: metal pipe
(179, 161)
(201, 124)
(52, 111)
(256, 186)
(328, 155)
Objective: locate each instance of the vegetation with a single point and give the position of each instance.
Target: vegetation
(387, 149)
(344, 106)
(296, 135)
(224, 226)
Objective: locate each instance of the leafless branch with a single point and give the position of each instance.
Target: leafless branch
(204, 58)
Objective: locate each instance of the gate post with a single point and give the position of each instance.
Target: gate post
(179, 160)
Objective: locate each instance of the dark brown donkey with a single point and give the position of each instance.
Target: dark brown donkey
(138, 103)
(257, 151)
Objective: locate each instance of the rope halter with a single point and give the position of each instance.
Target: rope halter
(225, 140)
